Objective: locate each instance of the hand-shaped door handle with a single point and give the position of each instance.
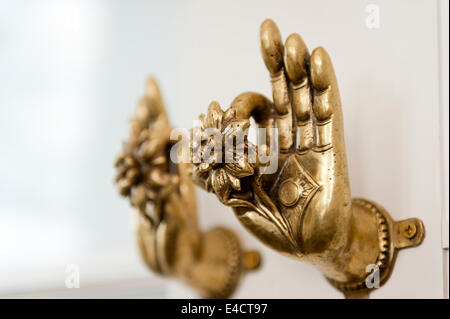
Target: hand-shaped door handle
(294, 194)
(304, 209)
(163, 194)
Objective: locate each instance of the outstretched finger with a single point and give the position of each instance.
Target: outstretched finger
(272, 52)
(327, 103)
(296, 59)
(157, 114)
(150, 111)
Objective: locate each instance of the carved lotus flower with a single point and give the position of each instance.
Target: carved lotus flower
(220, 153)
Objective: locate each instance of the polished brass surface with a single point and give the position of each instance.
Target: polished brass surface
(162, 192)
(303, 209)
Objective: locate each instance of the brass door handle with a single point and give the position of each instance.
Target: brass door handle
(163, 195)
(294, 195)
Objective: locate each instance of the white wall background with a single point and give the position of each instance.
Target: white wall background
(71, 74)
(72, 71)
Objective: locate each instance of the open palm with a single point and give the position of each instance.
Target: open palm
(291, 209)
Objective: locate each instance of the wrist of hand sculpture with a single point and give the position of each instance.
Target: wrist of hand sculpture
(294, 194)
(304, 209)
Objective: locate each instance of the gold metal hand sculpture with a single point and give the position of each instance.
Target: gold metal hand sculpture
(304, 209)
(169, 239)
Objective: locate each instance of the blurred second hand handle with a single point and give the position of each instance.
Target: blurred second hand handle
(162, 192)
